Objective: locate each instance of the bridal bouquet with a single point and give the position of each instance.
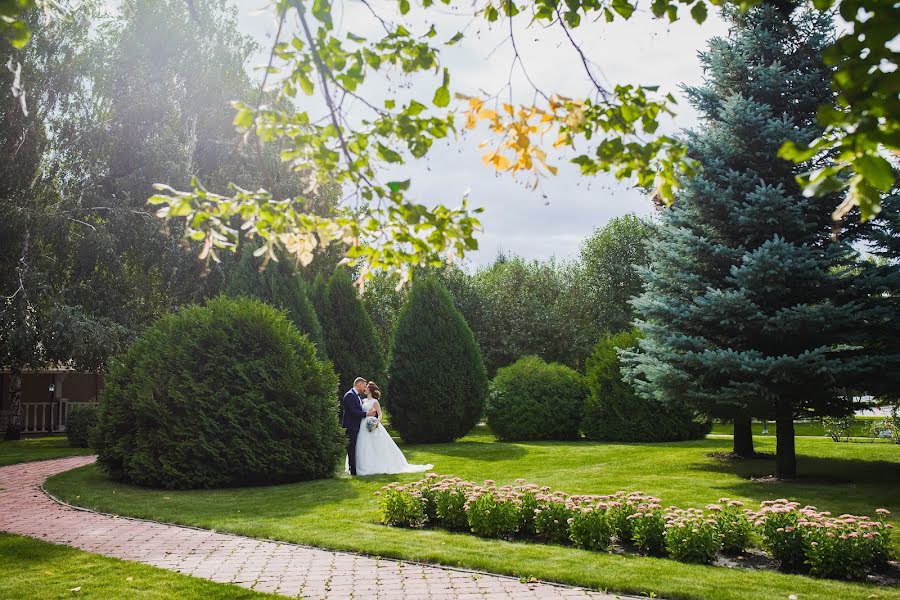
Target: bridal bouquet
(372, 423)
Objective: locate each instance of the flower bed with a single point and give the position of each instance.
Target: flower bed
(802, 540)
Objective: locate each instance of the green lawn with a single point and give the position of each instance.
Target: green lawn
(805, 428)
(342, 513)
(41, 448)
(35, 569)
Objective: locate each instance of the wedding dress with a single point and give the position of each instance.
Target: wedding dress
(377, 453)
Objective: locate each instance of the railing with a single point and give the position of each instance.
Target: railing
(45, 417)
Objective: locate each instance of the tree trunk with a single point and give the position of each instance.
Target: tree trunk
(785, 453)
(14, 423)
(743, 436)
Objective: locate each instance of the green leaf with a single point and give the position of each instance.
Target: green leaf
(573, 19)
(390, 104)
(658, 8)
(396, 186)
(414, 108)
(243, 119)
(491, 14)
(623, 7)
(388, 155)
(404, 7)
(305, 82)
(698, 11)
(455, 38)
(441, 97)
(321, 10)
(876, 170)
(442, 94)
(355, 38)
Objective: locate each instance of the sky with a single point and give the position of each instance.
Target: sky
(553, 220)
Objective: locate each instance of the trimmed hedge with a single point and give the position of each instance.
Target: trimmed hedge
(437, 382)
(80, 422)
(225, 394)
(279, 285)
(534, 400)
(613, 412)
(350, 334)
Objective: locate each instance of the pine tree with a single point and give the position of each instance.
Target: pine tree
(280, 286)
(349, 333)
(742, 312)
(437, 382)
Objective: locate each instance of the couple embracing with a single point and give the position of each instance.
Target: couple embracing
(370, 449)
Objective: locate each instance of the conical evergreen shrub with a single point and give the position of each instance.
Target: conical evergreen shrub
(280, 286)
(318, 292)
(613, 412)
(349, 333)
(437, 383)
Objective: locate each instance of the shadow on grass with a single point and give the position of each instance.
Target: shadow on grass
(812, 469)
(486, 451)
(265, 500)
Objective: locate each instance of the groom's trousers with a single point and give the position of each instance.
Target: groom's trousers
(352, 435)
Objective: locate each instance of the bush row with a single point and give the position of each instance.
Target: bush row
(534, 400)
(801, 539)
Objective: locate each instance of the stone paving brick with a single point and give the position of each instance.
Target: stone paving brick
(285, 569)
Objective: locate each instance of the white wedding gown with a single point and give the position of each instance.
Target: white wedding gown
(376, 452)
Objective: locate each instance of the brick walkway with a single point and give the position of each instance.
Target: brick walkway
(266, 566)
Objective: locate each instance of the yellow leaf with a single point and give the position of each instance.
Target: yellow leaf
(486, 113)
(508, 108)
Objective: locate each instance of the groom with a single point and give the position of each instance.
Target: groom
(352, 415)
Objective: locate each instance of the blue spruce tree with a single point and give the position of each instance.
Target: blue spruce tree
(745, 311)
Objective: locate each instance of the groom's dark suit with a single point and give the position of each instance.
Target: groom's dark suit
(352, 415)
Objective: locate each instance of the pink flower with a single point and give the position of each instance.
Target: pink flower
(882, 511)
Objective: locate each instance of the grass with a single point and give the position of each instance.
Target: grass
(342, 513)
(861, 428)
(36, 569)
(39, 448)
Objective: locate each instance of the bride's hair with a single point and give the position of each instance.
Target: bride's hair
(374, 390)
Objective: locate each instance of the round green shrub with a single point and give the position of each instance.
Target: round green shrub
(279, 285)
(352, 342)
(226, 394)
(613, 412)
(436, 380)
(534, 400)
(80, 422)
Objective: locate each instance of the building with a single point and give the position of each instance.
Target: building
(47, 396)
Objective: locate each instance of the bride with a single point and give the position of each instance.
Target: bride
(376, 452)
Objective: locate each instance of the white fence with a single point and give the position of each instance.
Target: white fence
(44, 417)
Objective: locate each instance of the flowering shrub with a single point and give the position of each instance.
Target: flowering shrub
(450, 503)
(691, 536)
(778, 519)
(401, 506)
(591, 527)
(492, 513)
(648, 528)
(551, 518)
(733, 525)
(845, 547)
(800, 539)
(528, 504)
(622, 506)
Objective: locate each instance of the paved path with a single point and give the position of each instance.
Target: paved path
(285, 569)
